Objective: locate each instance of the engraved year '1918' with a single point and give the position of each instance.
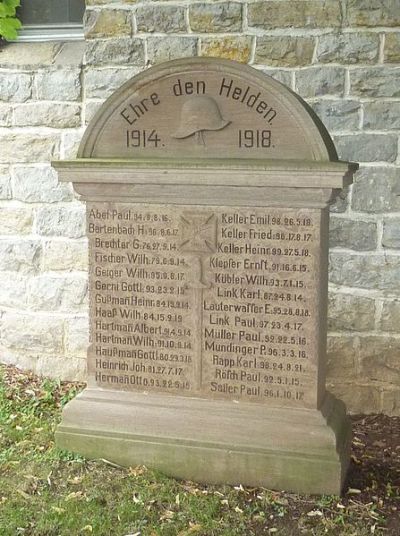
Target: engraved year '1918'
(250, 139)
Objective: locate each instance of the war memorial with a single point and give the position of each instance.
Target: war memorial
(207, 186)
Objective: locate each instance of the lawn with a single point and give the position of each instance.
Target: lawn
(48, 492)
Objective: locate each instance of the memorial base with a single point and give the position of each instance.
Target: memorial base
(212, 441)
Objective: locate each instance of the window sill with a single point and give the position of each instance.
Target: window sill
(42, 33)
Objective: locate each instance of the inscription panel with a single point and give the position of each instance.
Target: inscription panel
(198, 107)
(214, 302)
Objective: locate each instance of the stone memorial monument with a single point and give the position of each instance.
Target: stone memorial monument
(207, 187)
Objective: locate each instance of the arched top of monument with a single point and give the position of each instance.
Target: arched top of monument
(206, 108)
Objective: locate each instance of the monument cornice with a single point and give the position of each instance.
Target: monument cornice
(187, 180)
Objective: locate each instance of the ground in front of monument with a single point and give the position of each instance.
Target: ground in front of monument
(45, 491)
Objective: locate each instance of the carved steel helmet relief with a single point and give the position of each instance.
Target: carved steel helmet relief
(198, 114)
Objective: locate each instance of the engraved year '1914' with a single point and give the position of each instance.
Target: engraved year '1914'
(142, 138)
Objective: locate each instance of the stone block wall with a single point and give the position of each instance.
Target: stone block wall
(43, 251)
(342, 56)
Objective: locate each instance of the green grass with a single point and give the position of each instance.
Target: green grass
(45, 491)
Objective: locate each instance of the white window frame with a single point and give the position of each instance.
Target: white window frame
(51, 32)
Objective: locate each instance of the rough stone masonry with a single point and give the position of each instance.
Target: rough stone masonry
(342, 56)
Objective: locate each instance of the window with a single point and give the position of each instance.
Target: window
(47, 20)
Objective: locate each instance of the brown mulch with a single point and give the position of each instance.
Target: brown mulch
(23, 383)
(375, 466)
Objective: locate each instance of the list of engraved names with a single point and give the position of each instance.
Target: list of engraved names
(216, 302)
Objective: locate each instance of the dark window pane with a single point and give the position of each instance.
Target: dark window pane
(76, 10)
(51, 11)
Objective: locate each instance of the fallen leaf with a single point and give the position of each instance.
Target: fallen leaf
(76, 480)
(30, 477)
(23, 494)
(74, 495)
(57, 509)
(138, 470)
(168, 514)
(314, 513)
(195, 527)
(191, 530)
(112, 464)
